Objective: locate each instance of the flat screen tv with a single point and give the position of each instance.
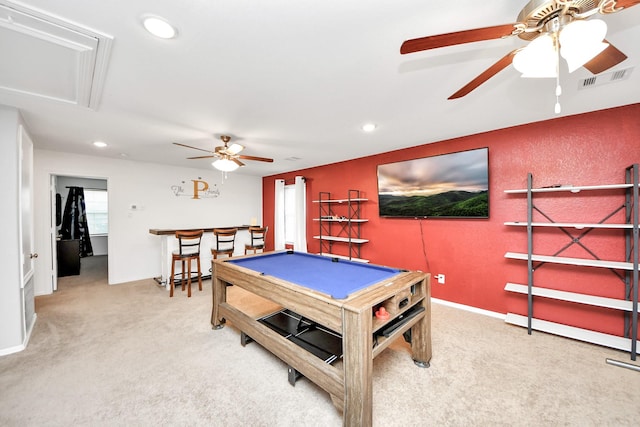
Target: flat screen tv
(454, 185)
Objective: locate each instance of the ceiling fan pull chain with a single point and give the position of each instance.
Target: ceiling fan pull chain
(557, 107)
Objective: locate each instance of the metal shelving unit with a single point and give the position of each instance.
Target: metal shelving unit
(626, 270)
(341, 229)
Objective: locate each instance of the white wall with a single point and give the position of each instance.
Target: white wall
(11, 305)
(134, 254)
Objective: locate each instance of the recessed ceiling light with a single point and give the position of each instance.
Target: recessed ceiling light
(100, 144)
(369, 127)
(159, 27)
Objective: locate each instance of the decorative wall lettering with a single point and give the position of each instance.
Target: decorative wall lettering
(201, 189)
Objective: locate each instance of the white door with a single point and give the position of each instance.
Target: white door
(26, 205)
(28, 254)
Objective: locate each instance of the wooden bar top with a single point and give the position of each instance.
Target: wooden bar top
(166, 232)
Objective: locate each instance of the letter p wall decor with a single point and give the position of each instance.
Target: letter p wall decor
(201, 189)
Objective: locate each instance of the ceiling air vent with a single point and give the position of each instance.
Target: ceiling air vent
(47, 57)
(604, 78)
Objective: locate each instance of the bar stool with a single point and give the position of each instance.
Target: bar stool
(188, 250)
(223, 241)
(257, 236)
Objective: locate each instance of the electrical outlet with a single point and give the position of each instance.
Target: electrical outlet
(440, 278)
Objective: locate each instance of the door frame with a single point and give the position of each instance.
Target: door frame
(53, 179)
(53, 230)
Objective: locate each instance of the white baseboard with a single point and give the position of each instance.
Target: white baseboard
(33, 324)
(469, 308)
(18, 348)
(11, 350)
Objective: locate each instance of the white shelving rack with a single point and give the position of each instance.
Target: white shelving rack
(339, 222)
(626, 270)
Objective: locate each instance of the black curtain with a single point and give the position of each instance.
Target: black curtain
(74, 221)
(58, 210)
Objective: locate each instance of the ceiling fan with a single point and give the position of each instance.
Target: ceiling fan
(227, 155)
(545, 20)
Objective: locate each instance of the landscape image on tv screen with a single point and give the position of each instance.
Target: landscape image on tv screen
(446, 186)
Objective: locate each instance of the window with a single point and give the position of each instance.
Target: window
(290, 214)
(97, 208)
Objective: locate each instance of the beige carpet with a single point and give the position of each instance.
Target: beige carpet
(129, 355)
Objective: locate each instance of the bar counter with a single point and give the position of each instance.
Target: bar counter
(167, 232)
(169, 243)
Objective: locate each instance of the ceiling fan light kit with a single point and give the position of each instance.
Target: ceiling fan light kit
(581, 41)
(225, 165)
(553, 28)
(228, 157)
(235, 148)
(578, 43)
(538, 59)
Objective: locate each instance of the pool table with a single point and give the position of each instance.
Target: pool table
(341, 295)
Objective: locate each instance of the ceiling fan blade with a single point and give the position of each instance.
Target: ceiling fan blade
(626, 3)
(486, 75)
(201, 157)
(195, 148)
(608, 58)
(236, 161)
(259, 159)
(459, 37)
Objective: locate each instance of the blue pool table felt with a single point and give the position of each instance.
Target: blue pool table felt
(335, 277)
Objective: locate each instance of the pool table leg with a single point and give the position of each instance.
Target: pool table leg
(421, 333)
(357, 342)
(219, 293)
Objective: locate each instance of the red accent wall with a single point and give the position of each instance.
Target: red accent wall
(587, 149)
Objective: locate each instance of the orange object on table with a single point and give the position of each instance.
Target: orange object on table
(382, 313)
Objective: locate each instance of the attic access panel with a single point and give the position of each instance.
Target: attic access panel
(47, 57)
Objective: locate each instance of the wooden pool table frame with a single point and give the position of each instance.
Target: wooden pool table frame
(350, 386)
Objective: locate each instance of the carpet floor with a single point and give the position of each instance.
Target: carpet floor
(128, 355)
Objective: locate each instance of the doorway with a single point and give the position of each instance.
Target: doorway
(69, 266)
